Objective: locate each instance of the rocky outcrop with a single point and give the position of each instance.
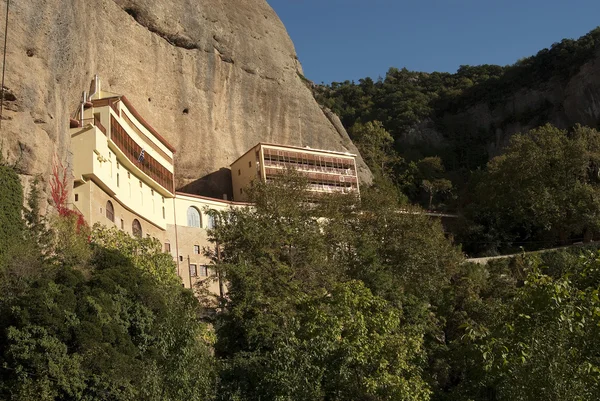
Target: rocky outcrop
(214, 77)
(563, 103)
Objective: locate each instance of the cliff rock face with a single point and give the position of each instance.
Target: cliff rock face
(562, 103)
(214, 77)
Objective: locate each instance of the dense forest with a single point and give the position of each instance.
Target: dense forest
(412, 131)
(366, 304)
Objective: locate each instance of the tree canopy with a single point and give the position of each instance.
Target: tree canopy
(89, 320)
(544, 189)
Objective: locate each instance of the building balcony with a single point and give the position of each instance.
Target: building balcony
(310, 168)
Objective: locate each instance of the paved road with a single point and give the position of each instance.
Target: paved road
(483, 261)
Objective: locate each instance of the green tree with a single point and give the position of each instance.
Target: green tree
(376, 147)
(11, 207)
(545, 345)
(431, 170)
(91, 322)
(543, 189)
(295, 325)
(146, 254)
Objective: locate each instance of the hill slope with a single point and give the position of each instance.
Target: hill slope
(468, 116)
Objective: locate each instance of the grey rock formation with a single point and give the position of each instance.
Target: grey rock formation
(214, 77)
(562, 103)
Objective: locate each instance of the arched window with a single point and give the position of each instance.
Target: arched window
(110, 211)
(193, 217)
(212, 220)
(136, 228)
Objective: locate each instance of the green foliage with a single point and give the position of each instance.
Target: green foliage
(111, 327)
(375, 145)
(38, 233)
(342, 345)
(409, 102)
(145, 254)
(11, 206)
(316, 296)
(545, 346)
(71, 242)
(544, 189)
(431, 170)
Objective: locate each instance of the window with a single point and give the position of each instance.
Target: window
(193, 271)
(110, 211)
(211, 221)
(164, 213)
(167, 247)
(196, 249)
(163, 199)
(239, 172)
(76, 197)
(117, 179)
(118, 165)
(128, 174)
(203, 271)
(136, 228)
(250, 164)
(193, 217)
(152, 192)
(122, 224)
(140, 183)
(241, 191)
(181, 258)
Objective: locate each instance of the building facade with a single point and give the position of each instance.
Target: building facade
(124, 177)
(326, 171)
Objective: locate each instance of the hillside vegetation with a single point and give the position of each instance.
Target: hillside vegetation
(367, 304)
(403, 99)
(423, 134)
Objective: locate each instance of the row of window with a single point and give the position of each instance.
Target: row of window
(196, 250)
(194, 218)
(144, 162)
(136, 226)
(164, 215)
(201, 272)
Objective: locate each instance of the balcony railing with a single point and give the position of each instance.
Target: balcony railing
(96, 122)
(149, 165)
(310, 168)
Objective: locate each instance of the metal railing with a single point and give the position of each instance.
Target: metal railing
(310, 167)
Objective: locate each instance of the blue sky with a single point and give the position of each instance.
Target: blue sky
(351, 39)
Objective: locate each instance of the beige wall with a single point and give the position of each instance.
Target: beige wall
(93, 159)
(184, 239)
(183, 249)
(91, 201)
(243, 171)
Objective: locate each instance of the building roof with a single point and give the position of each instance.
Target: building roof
(228, 202)
(306, 148)
(145, 123)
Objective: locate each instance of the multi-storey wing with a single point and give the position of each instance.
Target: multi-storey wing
(326, 171)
